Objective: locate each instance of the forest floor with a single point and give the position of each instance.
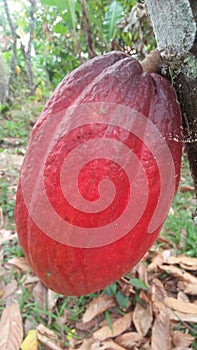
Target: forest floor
(152, 307)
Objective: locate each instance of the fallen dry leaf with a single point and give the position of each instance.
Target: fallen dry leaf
(28, 280)
(85, 326)
(161, 328)
(6, 235)
(41, 329)
(28, 325)
(188, 288)
(179, 273)
(147, 346)
(31, 341)
(40, 294)
(181, 316)
(156, 261)
(20, 263)
(141, 273)
(158, 290)
(51, 299)
(97, 306)
(86, 345)
(182, 340)
(182, 296)
(179, 305)
(142, 318)
(183, 260)
(111, 345)
(167, 253)
(11, 328)
(129, 339)
(119, 326)
(97, 346)
(145, 297)
(48, 338)
(10, 289)
(126, 286)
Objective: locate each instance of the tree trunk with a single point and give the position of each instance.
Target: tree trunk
(88, 30)
(6, 97)
(175, 28)
(27, 54)
(3, 80)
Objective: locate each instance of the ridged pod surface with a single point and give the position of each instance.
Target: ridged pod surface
(100, 173)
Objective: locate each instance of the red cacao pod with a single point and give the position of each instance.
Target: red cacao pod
(100, 173)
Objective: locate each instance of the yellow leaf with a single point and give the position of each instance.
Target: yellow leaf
(17, 70)
(38, 93)
(31, 341)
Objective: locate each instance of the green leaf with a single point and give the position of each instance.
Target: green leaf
(60, 28)
(70, 16)
(111, 290)
(137, 283)
(67, 5)
(112, 18)
(108, 318)
(121, 299)
(49, 2)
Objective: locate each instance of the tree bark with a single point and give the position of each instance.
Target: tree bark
(27, 54)
(175, 28)
(88, 30)
(6, 96)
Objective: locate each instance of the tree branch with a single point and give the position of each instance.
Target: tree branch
(88, 30)
(31, 25)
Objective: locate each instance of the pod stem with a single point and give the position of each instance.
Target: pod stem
(152, 62)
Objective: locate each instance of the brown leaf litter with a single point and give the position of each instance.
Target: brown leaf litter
(162, 316)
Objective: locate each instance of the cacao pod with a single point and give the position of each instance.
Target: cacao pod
(100, 173)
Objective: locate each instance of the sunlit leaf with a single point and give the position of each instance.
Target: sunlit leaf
(70, 16)
(49, 2)
(69, 6)
(60, 28)
(112, 18)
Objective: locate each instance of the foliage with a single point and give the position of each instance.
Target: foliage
(63, 34)
(179, 226)
(7, 201)
(112, 18)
